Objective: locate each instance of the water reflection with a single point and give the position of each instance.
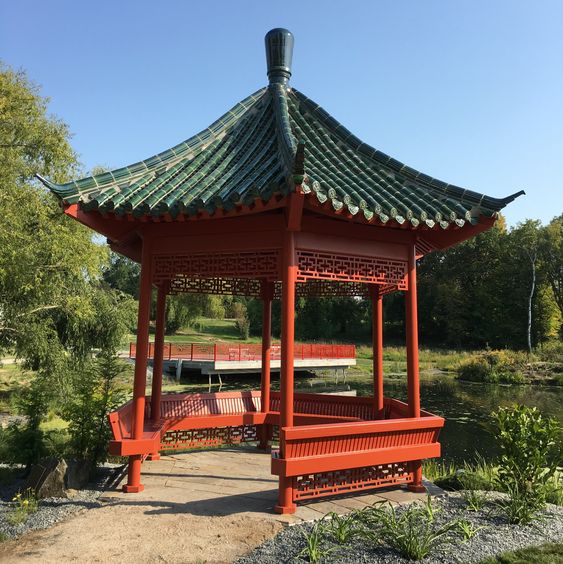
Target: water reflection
(467, 408)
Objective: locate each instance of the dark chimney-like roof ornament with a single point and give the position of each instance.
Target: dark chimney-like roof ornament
(279, 52)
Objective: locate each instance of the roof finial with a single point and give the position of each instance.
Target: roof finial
(279, 52)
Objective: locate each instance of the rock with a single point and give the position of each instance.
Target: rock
(47, 478)
(77, 474)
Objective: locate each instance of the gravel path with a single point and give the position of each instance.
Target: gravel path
(51, 510)
(496, 537)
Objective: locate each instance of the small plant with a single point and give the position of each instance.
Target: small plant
(25, 504)
(555, 488)
(437, 469)
(521, 507)
(342, 528)
(411, 532)
(314, 551)
(430, 510)
(528, 463)
(467, 529)
(474, 498)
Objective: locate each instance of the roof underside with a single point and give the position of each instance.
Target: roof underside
(269, 144)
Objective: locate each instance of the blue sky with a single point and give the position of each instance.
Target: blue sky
(470, 91)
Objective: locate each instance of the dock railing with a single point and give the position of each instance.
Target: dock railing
(241, 352)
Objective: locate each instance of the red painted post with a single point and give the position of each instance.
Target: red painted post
(413, 384)
(140, 380)
(289, 275)
(377, 339)
(267, 294)
(192, 352)
(156, 390)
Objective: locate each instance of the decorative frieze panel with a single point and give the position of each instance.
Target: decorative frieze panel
(208, 437)
(251, 288)
(217, 286)
(350, 480)
(251, 264)
(350, 268)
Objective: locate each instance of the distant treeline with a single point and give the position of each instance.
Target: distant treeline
(497, 290)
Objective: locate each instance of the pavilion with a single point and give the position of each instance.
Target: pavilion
(274, 200)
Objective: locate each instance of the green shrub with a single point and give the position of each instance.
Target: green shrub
(530, 450)
(555, 488)
(494, 367)
(94, 394)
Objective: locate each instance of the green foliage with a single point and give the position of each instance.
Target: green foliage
(530, 449)
(94, 393)
(242, 322)
(494, 367)
(550, 553)
(25, 503)
(342, 528)
(412, 532)
(184, 309)
(437, 469)
(475, 499)
(122, 274)
(478, 475)
(314, 549)
(555, 488)
(467, 529)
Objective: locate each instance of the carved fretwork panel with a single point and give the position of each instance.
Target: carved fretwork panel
(349, 268)
(197, 438)
(251, 288)
(251, 264)
(331, 289)
(218, 286)
(352, 480)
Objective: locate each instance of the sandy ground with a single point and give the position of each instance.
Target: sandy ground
(141, 533)
(205, 506)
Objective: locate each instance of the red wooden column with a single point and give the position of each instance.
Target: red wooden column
(156, 391)
(377, 338)
(413, 384)
(267, 294)
(285, 496)
(134, 475)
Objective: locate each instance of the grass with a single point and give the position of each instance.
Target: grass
(550, 553)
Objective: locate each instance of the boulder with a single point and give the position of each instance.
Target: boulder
(77, 474)
(47, 478)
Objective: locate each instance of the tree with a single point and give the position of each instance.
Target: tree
(123, 274)
(526, 244)
(551, 254)
(54, 308)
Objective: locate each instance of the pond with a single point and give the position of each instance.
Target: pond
(466, 408)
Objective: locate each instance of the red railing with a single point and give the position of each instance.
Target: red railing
(240, 352)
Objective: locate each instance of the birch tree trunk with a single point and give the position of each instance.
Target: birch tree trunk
(532, 290)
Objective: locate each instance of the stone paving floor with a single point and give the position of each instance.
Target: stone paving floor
(236, 481)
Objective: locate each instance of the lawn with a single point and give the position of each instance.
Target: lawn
(551, 553)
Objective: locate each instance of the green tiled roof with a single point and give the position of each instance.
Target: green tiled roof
(270, 143)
